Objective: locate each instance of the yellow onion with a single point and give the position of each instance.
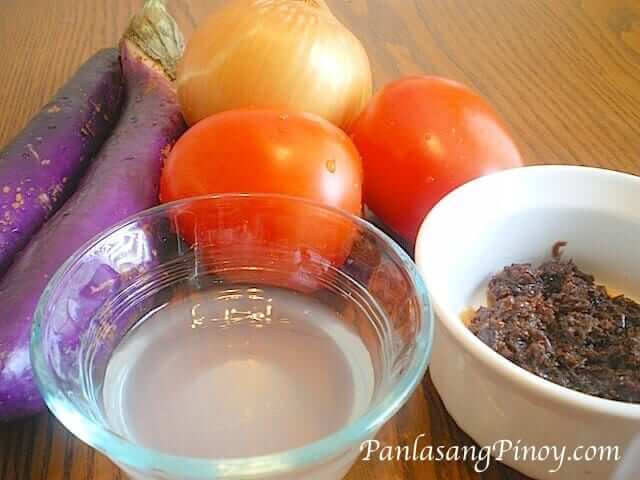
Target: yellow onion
(284, 54)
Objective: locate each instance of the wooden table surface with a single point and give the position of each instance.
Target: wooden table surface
(565, 75)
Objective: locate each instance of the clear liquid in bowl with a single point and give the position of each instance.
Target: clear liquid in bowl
(236, 371)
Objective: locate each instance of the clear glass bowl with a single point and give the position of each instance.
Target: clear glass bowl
(103, 291)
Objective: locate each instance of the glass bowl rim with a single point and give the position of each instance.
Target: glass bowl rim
(137, 457)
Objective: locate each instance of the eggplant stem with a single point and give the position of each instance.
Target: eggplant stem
(155, 32)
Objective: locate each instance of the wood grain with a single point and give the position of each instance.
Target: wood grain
(565, 74)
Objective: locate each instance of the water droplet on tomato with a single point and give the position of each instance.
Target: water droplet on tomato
(331, 165)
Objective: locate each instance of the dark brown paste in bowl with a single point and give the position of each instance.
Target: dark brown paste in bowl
(555, 322)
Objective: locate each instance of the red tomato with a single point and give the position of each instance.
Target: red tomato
(264, 151)
(420, 138)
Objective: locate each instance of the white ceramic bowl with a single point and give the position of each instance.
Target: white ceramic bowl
(516, 216)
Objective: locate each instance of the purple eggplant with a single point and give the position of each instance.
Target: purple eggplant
(122, 180)
(40, 167)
